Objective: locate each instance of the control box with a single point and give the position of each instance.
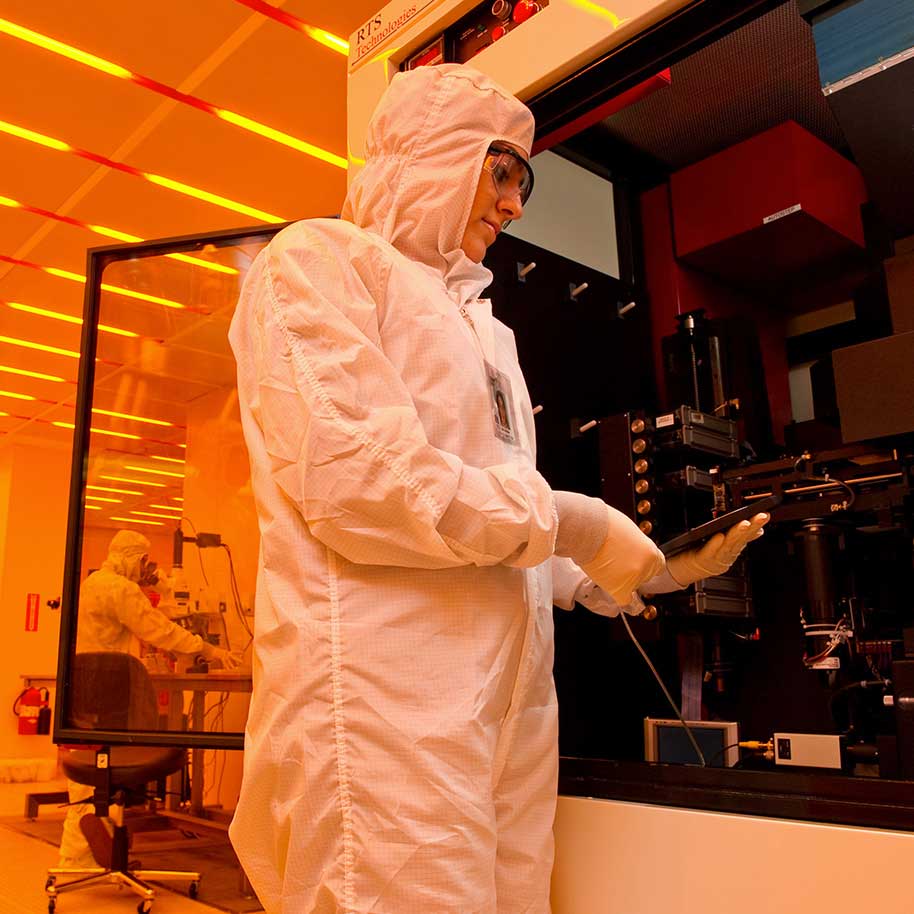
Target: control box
(808, 750)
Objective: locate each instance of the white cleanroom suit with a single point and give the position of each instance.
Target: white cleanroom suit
(114, 615)
(401, 751)
(401, 747)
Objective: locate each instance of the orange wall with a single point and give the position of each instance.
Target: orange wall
(33, 524)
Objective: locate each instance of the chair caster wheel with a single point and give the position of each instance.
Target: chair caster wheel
(144, 907)
(193, 889)
(52, 905)
(50, 882)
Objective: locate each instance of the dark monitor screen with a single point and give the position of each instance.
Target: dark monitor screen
(667, 741)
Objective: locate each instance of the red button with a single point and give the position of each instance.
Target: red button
(524, 10)
(499, 31)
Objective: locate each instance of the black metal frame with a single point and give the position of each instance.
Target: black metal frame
(813, 9)
(97, 260)
(808, 796)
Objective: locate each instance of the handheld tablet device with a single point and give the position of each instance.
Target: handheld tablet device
(699, 534)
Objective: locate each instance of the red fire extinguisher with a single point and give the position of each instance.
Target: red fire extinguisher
(27, 708)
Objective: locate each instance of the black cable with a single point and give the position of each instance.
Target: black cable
(806, 458)
(199, 551)
(851, 686)
(669, 697)
(719, 752)
(228, 641)
(236, 594)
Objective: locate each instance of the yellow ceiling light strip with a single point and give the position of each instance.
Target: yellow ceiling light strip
(162, 181)
(136, 482)
(108, 412)
(142, 296)
(9, 393)
(116, 491)
(65, 50)
(100, 431)
(110, 434)
(41, 347)
(78, 277)
(32, 137)
(114, 501)
(105, 412)
(69, 318)
(136, 520)
(328, 39)
(152, 514)
(277, 136)
(32, 374)
(169, 459)
(93, 507)
(137, 469)
(168, 508)
(245, 123)
(110, 233)
(184, 258)
(322, 36)
(215, 199)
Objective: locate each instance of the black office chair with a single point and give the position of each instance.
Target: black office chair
(113, 691)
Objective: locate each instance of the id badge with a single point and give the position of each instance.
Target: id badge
(502, 404)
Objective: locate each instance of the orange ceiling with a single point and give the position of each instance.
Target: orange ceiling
(217, 50)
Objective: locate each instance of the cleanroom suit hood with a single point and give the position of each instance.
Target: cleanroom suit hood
(425, 146)
(126, 549)
(401, 745)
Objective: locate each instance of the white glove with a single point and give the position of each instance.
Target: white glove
(230, 660)
(626, 559)
(717, 554)
(598, 601)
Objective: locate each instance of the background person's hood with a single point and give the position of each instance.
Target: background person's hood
(425, 146)
(124, 553)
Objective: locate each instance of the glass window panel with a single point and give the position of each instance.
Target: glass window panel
(169, 536)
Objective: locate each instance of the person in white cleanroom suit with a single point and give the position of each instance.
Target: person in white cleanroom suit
(114, 615)
(401, 747)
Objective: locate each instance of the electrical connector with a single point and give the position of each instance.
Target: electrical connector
(208, 540)
(757, 745)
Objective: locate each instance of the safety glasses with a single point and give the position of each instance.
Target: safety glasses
(510, 171)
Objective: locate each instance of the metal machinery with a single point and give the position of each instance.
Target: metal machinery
(838, 556)
(753, 337)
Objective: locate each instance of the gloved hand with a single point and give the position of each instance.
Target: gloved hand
(600, 602)
(626, 559)
(230, 660)
(717, 554)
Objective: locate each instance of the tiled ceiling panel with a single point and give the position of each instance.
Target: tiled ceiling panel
(219, 51)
